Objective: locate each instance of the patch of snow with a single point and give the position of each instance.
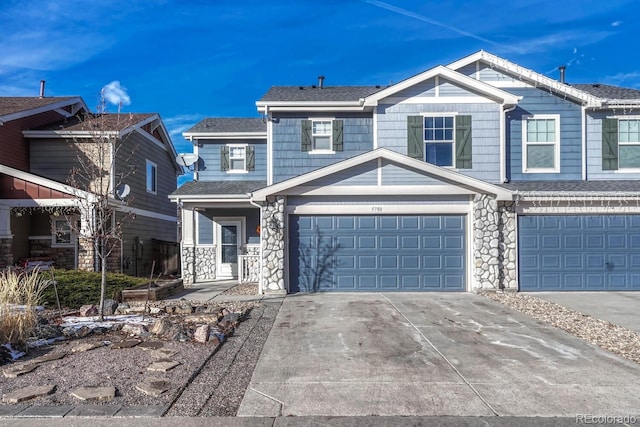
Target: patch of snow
(15, 354)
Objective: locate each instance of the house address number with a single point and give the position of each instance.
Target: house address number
(376, 208)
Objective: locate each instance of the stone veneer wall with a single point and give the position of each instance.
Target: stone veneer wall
(272, 235)
(508, 274)
(198, 264)
(6, 252)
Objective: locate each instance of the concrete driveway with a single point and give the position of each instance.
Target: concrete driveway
(430, 354)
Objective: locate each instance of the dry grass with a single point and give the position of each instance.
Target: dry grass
(20, 293)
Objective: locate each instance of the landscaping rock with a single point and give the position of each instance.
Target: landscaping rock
(154, 386)
(48, 331)
(162, 365)
(28, 393)
(201, 334)
(49, 357)
(150, 345)
(86, 346)
(89, 310)
(20, 370)
(134, 329)
(94, 393)
(125, 344)
(109, 307)
(122, 308)
(83, 331)
(231, 317)
(161, 326)
(183, 309)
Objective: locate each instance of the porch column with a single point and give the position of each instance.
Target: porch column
(187, 249)
(508, 273)
(272, 237)
(6, 238)
(486, 239)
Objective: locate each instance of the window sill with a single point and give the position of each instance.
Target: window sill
(322, 152)
(625, 170)
(531, 171)
(238, 171)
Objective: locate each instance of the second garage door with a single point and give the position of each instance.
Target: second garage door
(377, 253)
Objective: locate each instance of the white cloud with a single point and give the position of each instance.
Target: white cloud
(616, 23)
(116, 94)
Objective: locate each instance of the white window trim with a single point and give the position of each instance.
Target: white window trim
(54, 234)
(556, 144)
(155, 177)
(234, 171)
(453, 142)
(635, 143)
(197, 234)
(313, 149)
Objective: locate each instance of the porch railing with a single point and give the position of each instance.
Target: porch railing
(249, 268)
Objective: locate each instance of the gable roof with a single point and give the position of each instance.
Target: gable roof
(528, 75)
(15, 107)
(318, 94)
(446, 175)
(454, 76)
(222, 127)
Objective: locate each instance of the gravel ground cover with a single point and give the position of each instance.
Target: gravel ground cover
(616, 339)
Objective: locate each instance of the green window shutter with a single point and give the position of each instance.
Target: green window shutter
(609, 144)
(463, 142)
(415, 138)
(224, 158)
(336, 134)
(251, 158)
(306, 135)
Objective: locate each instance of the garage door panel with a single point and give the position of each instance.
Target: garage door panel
(592, 252)
(394, 252)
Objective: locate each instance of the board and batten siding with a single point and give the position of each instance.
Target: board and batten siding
(209, 168)
(368, 200)
(594, 147)
(538, 101)
(485, 130)
(290, 161)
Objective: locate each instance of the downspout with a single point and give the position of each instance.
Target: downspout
(503, 142)
(584, 143)
(260, 284)
(269, 146)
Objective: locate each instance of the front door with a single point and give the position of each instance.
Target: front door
(229, 244)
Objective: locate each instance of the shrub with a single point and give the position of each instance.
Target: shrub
(77, 288)
(20, 293)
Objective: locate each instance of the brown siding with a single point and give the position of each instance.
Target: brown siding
(15, 188)
(15, 149)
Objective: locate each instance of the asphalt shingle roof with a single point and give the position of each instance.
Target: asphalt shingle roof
(15, 104)
(227, 125)
(212, 188)
(608, 91)
(575, 186)
(314, 93)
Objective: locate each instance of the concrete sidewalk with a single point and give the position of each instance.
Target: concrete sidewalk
(410, 354)
(619, 308)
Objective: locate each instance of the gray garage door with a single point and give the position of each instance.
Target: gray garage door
(577, 253)
(377, 253)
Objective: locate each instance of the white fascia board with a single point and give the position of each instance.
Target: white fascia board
(529, 75)
(45, 182)
(34, 203)
(310, 105)
(209, 198)
(380, 190)
(49, 107)
(225, 135)
(446, 175)
(449, 74)
(65, 133)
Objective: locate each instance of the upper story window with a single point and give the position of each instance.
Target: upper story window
(322, 135)
(541, 144)
(629, 143)
(62, 234)
(152, 177)
(237, 158)
(442, 140)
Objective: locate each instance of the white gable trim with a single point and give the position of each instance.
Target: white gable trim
(526, 74)
(449, 74)
(448, 176)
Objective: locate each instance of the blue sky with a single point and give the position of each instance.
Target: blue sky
(192, 59)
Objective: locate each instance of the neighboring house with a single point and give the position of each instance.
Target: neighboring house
(480, 174)
(43, 140)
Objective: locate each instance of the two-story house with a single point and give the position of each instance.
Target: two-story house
(44, 139)
(479, 174)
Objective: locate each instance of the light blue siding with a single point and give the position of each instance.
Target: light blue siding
(579, 253)
(377, 253)
(393, 200)
(290, 161)
(364, 174)
(422, 89)
(489, 75)
(394, 174)
(594, 147)
(392, 132)
(209, 165)
(538, 101)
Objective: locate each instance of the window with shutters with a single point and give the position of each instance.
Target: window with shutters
(321, 136)
(541, 144)
(443, 139)
(439, 140)
(237, 158)
(629, 143)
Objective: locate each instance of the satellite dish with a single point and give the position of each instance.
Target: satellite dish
(122, 191)
(186, 159)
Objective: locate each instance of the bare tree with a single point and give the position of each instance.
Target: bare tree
(102, 162)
